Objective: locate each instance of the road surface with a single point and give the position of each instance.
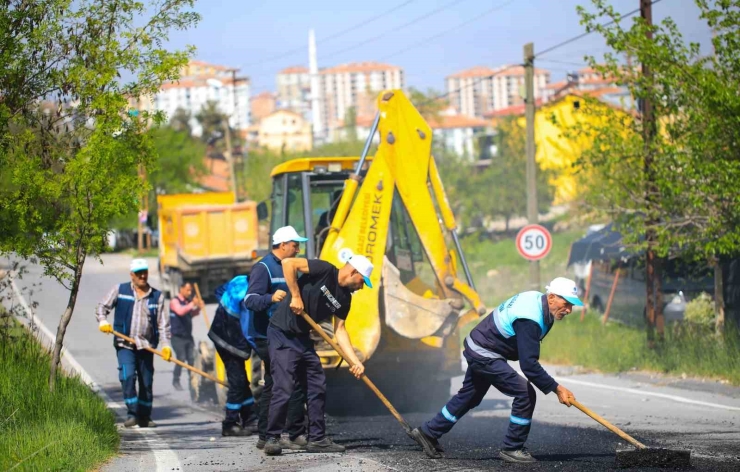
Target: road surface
(659, 411)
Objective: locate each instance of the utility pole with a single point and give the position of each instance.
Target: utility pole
(532, 214)
(653, 301)
(230, 157)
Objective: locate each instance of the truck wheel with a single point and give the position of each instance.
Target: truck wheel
(175, 277)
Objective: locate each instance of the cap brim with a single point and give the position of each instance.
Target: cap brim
(140, 269)
(367, 281)
(300, 240)
(575, 301)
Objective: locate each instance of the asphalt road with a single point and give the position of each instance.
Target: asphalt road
(659, 411)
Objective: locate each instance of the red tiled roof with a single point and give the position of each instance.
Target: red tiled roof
(200, 81)
(457, 121)
(294, 70)
(483, 71)
(263, 95)
(195, 62)
(369, 66)
(555, 85)
(510, 111)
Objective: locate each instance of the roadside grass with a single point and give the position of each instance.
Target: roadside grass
(71, 429)
(687, 349)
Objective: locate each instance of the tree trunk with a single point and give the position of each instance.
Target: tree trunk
(650, 292)
(659, 318)
(719, 298)
(56, 355)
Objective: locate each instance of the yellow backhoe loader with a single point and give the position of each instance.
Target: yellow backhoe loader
(393, 209)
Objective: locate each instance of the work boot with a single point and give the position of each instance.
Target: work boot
(297, 444)
(176, 384)
(520, 456)
(261, 443)
(130, 422)
(272, 447)
(147, 423)
(251, 426)
(325, 445)
(427, 443)
(234, 430)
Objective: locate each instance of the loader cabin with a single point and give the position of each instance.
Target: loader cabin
(305, 193)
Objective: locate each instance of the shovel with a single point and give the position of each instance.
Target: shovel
(172, 359)
(364, 378)
(641, 456)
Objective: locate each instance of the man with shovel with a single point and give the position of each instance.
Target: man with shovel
(513, 331)
(326, 291)
(139, 313)
(267, 288)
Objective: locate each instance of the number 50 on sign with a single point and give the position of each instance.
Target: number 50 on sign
(533, 242)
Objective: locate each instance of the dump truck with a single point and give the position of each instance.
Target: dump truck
(392, 208)
(206, 238)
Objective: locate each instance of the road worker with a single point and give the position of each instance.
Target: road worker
(513, 331)
(139, 313)
(267, 288)
(182, 310)
(326, 292)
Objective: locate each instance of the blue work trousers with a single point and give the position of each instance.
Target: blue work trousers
(133, 365)
(479, 376)
(293, 359)
(239, 398)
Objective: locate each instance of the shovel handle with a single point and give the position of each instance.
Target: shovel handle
(364, 377)
(172, 359)
(608, 425)
(205, 315)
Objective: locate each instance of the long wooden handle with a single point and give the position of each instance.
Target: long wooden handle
(364, 377)
(609, 426)
(203, 309)
(172, 359)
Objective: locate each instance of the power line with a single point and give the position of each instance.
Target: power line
(583, 35)
(442, 33)
(405, 25)
(338, 34)
(567, 63)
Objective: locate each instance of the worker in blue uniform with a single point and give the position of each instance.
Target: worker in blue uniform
(513, 331)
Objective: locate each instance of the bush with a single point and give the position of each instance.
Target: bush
(700, 310)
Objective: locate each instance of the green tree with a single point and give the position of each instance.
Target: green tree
(69, 151)
(179, 159)
(180, 120)
(428, 105)
(350, 124)
(672, 185)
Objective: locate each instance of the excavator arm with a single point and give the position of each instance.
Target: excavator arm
(403, 168)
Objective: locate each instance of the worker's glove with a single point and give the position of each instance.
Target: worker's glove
(167, 353)
(105, 327)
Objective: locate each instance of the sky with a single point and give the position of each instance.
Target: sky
(429, 39)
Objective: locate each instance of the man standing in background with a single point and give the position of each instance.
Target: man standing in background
(182, 310)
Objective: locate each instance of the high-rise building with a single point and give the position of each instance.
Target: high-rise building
(476, 91)
(353, 85)
(201, 82)
(294, 89)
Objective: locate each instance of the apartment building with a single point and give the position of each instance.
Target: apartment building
(294, 90)
(201, 82)
(479, 90)
(352, 85)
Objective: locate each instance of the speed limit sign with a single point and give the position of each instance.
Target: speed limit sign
(533, 242)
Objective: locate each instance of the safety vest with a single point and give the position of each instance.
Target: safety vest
(125, 309)
(525, 305)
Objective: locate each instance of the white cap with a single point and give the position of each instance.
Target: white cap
(286, 234)
(363, 266)
(565, 288)
(138, 265)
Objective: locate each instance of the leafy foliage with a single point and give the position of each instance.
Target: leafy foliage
(692, 204)
(70, 152)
